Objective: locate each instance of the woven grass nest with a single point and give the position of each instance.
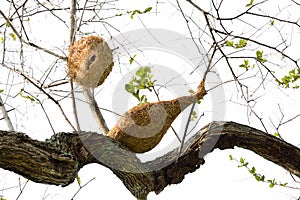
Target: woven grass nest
(90, 61)
(142, 127)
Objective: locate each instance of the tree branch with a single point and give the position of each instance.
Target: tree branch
(58, 159)
(6, 116)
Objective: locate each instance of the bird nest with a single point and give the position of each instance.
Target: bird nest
(90, 61)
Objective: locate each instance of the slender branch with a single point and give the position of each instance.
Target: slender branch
(28, 42)
(95, 110)
(50, 97)
(72, 21)
(6, 116)
(186, 129)
(261, 44)
(72, 39)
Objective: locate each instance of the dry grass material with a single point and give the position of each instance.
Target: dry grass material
(90, 61)
(142, 127)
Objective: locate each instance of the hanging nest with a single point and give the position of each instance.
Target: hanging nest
(90, 61)
(142, 127)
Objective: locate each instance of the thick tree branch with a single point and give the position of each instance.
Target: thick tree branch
(57, 160)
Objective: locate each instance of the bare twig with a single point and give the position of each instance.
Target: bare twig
(28, 42)
(50, 97)
(81, 187)
(22, 189)
(72, 39)
(95, 110)
(5, 116)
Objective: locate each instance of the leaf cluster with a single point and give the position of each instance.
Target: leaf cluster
(28, 97)
(260, 178)
(238, 45)
(259, 57)
(134, 12)
(246, 65)
(194, 116)
(141, 81)
(292, 77)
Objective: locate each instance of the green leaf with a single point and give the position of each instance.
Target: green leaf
(143, 99)
(78, 181)
(194, 116)
(243, 163)
(257, 177)
(140, 72)
(252, 171)
(242, 160)
(259, 56)
(150, 76)
(229, 43)
(1, 91)
(238, 45)
(7, 24)
(262, 178)
(32, 99)
(230, 157)
(129, 88)
(272, 22)
(132, 59)
(147, 69)
(245, 65)
(147, 9)
(14, 37)
(241, 44)
(272, 183)
(250, 3)
(141, 81)
(283, 184)
(292, 77)
(141, 87)
(191, 91)
(276, 134)
(135, 12)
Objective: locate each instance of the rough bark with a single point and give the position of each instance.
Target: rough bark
(58, 159)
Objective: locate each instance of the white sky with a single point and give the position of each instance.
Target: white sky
(219, 177)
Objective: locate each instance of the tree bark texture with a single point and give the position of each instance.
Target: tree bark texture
(58, 159)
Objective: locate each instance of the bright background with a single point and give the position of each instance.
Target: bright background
(219, 177)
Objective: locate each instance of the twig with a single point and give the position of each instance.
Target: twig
(186, 129)
(82, 187)
(22, 189)
(95, 110)
(72, 39)
(41, 104)
(74, 106)
(72, 21)
(50, 97)
(5, 116)
(28, 42)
